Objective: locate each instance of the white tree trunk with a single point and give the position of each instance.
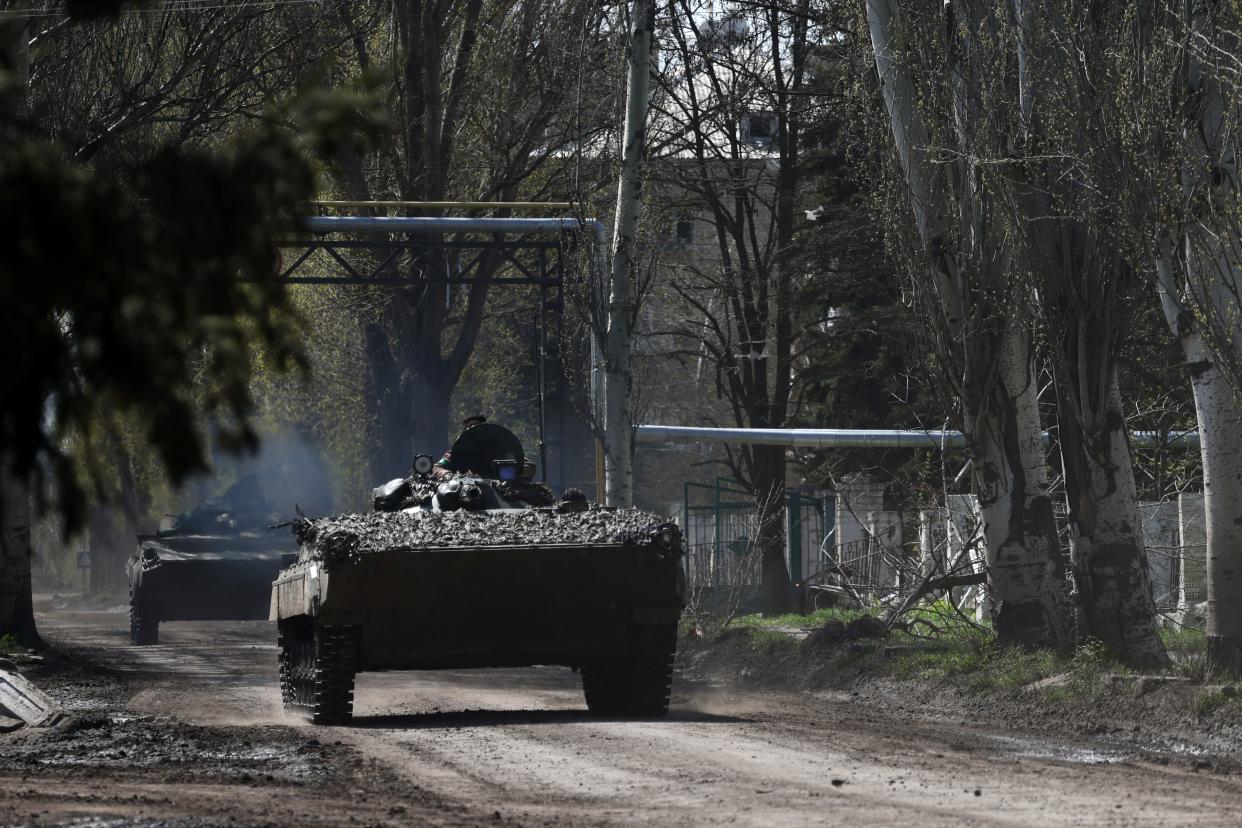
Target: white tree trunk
(1220, 440)
(1220, 444)
(1108, 552)
(1001, 416)
(1205, 313)
(1080, 280)
(1026, 569)
(618, 376)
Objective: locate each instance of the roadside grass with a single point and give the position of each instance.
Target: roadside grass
(1184, 640)
(935, 642)
(10, 645)
(795, 621)
(928, 622)
(940, 622)
(941, 643)
(773, 643)
(935, 646)
(932, 641)
(978, 666)
(1187, 650)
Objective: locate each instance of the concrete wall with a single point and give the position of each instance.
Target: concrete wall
(857, 498)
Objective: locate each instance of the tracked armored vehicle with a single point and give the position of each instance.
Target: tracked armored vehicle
(473, 570)
(216, 563)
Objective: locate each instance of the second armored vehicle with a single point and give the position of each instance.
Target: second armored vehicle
(478, 570)
(217, 562)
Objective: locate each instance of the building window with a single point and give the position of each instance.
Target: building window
(685, 231)
(760, 126)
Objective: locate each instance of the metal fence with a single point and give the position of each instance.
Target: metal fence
(720, 524)
(859, 563)
(950, 540)
(809, 522)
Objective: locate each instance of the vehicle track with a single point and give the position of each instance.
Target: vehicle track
(518, 744)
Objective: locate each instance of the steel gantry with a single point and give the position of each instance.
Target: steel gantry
(431, 250)
(421, 251)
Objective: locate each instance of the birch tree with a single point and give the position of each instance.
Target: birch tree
(964, 277)
(1196, 239)
(1174, 109)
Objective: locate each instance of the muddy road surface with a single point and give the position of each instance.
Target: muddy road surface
(190, 733)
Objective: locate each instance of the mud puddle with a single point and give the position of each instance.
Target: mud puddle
(1022, 748)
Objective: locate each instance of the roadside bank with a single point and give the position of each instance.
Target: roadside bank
(965, 679)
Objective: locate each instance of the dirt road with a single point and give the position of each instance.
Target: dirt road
(515, 747)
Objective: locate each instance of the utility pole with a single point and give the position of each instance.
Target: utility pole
(618, 378)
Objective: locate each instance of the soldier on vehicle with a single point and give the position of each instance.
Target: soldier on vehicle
(477, 449)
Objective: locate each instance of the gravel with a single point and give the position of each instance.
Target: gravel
(344, 537)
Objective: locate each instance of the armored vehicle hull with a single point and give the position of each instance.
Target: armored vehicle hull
(217, 562)
(609, 607)
(202, 578)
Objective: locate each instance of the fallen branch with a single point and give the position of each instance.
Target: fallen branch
(929, 584)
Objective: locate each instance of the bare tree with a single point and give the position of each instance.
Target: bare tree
(483, 93)
(1086, 291)
(732, 102)
(936, 85)
(1190, 65)
(110, 90)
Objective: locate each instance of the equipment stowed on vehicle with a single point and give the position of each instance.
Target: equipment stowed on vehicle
(481, 571)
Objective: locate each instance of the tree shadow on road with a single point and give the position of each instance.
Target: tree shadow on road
(497, 718)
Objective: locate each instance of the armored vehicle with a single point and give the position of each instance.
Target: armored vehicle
(467, 569)
(217, 562)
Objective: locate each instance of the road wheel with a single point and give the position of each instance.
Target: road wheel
(317, 669)
(638, 684)
(284, 661)
(144, 626)
(335, 661)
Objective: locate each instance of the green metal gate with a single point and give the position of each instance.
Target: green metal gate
(721, 524)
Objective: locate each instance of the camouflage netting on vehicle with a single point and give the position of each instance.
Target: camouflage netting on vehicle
(343, 538)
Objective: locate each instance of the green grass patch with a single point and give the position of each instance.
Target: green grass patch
(794, 620)
(1087, 671)
(10, 645)
(772, 642)
(1183, 640)
(978, 667)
